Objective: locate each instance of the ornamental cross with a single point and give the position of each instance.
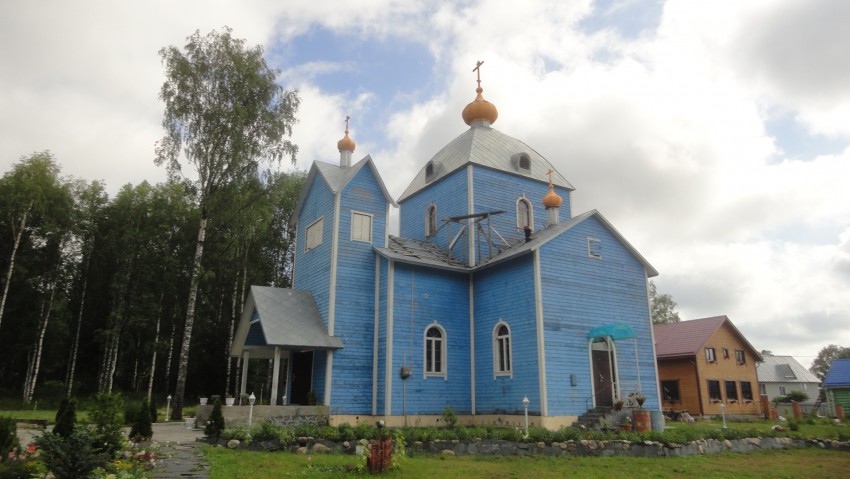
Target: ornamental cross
(346, 122)
(549, 174)
(478, 70)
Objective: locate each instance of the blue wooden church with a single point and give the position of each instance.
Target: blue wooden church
(491, 293)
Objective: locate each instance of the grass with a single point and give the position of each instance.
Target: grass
(793, 463)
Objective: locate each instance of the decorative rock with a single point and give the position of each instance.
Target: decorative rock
(346, 444)
(583, 442)
(447, 452)
(727, 444)
(321, 448)
(302, 440)
(233, 443)
(541, 444)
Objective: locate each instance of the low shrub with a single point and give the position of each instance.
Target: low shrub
(8, 436)
(66, 418)
(215, 423)
(71, 457)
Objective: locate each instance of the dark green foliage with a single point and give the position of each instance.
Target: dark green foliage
(8, 436)
(66, 417)
(449, 417)
(153, 411)
(107, 416)
(215, 423)
(18, 469)
(345, 432)
(142, 429)
(72, 457)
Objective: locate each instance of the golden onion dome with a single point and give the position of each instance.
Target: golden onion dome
(480, 109)
(552, 199)
(346, 143)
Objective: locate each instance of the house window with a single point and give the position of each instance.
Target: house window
(594, 247)
(782, 391)
(431, 220)
(731, 391)
(524, 214)
(725, 353)
(670, 390)
(429, 171)
(361, 227)
(746, 391)
(314, 235)
(714, 393)
(435, 351)
(740, 357)
(762, 388)
(502, 349)
(709, 355)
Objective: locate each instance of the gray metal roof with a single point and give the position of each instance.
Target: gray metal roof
(427, 254)
(488, 147)
(288, 318)
(783, 369)
(337, 177)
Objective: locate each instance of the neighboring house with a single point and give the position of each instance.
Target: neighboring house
(779, 375)
(836, 385)
(493, 292)
(704, 364)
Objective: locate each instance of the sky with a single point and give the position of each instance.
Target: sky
(715, 136)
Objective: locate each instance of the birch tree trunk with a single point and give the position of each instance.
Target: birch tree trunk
(170, 355)
(75, 347)
(183, 361)
(39, 344)
(155, 347)
(15, 246)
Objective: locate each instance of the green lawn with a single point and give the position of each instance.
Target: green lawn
(793, 463)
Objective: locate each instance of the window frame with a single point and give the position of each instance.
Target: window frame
(522, 200)
(709, 384)
(502, 356)
(675, 394)
(740, 356)
(355, 214)
(430, 220)
(594, 247)
(744, 391)
(734, 397)
(710, 355)
(428, 346)
(320, 225)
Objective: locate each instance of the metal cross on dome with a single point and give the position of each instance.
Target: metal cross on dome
(346, 122)
(478, 70)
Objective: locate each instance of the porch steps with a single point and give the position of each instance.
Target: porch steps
(593, 418)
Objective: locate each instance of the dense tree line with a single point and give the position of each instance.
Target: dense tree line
(94, 288)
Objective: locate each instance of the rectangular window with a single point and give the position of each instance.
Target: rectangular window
(709, 355)
(762, 388)
(746, 391)
(739, 356)
(594, 247)
(313, 238)
(731, 391)
(670, 390)
(361, 227)
(714, 393)
(782, 391)
(725, 353)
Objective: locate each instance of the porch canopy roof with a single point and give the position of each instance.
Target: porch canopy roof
(615, 331)
(284, 318)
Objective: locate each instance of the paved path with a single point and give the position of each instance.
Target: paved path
(179, 454)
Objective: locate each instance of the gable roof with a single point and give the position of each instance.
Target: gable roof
(783, 369)
(488, 147)
(425, 253)
(687, 338)
(838, 374)
(337, 178)
(284, 317)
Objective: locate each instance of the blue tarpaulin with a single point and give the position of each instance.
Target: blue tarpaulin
(616, 331)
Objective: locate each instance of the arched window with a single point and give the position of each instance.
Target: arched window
(502, 350)
(435, 351)
(431, 220)
(524, 213)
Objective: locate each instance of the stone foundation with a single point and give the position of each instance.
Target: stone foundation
(289, 416)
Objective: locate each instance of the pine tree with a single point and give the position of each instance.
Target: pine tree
(66, 418)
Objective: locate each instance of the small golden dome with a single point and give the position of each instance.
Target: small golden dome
(346, 143)
(480, 109)
(552, 199)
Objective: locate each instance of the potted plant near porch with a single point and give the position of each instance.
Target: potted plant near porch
(230, 399)
(626, 423)
(640, 417)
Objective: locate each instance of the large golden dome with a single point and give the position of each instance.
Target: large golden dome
(346, 143)
(480, 109)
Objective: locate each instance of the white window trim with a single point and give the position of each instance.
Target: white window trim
(307, 247)
(496, 372)
(523, 199)
(430, 230)
(443, 353)
(590, 242)
(371, 226)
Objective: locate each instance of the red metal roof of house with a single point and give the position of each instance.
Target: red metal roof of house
(687, 338)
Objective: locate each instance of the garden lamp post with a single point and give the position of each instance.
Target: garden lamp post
(723, 414)
(251, 400)
(167, 407)
(525, 406)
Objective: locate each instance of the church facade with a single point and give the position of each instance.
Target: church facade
(493, 292)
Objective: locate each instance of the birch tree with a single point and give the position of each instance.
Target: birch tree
(225, 114)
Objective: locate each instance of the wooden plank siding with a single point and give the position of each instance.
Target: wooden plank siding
(449, 194)
(727, 369)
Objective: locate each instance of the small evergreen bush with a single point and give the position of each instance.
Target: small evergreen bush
(215, 423)
(107, 415)
(8, 436)
(66, 418)
(449, 417)
(71, 457)
(142, 430)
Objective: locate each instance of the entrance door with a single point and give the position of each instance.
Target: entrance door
(302, 377)
(603, 374)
